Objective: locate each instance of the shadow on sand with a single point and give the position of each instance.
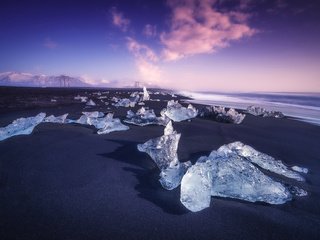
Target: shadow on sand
(147, 174)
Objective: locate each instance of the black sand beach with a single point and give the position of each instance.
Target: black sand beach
(67, 182)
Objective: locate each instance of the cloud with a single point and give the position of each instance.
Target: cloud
(49, 43)
(196, 27)
(146, 60)
(119, 20)
(150, 30)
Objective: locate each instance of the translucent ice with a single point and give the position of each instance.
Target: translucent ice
(300, 169)
(125, 102)
(262, 160)
(91, 103)
(145, 117)
(220, 114)
(163, 151)
(176, 112)
(83, 99)
(228, 172)
(259, 111)
(21, 126)
(59, 119)
(146, 95)
(112, 124)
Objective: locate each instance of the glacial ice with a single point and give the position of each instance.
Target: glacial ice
(229, 172)
(53, 119)
(83, 99)
(21, 126)
(220, 114)
(125, 102)
(300, 169)
(146, 95)
(112, 124)
(259, 111)
(91, 103)
(262, 160)
(104, 124)
(163, 151)
(176, 112)
(145, 117)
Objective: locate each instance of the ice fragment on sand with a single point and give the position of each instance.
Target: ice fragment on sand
(112, 124)
(146, 95)
(91, 103)
(145, 117)
(59, 119)
(21, 126)
(262, 160)
(176, 112)
(259, 111)
(163, 151)
(228, 172)
(83, 99)
(300, 169)
(220, 114)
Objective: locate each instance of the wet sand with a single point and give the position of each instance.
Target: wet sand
(67, 182)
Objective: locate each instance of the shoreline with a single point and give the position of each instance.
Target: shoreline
(67, 182)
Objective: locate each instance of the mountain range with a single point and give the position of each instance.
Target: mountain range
(33, 80)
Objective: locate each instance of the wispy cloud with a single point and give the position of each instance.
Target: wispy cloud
(197, 27)
(150, 30)
(146, 60)
(119, 20)
(49, 43)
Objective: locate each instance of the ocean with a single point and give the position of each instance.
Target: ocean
(301, 106)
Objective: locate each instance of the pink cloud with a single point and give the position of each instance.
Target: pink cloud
(49, 43)
(150, 30)
(197, 28)
(146, 60)
(119, 20)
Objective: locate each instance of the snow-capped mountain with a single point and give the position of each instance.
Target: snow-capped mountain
(31, 80)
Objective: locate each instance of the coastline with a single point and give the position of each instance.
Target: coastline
(67, 182)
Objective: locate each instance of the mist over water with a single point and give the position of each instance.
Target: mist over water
(302, 106)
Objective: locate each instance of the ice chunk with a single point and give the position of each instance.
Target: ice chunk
(171, 176)
(91, 103)
(145, 117)
(83, 99)
(196, 187)
(21, 126)
(59, 119)
(300, 169)
(125, 102)
(146, 95)
(112, 124)
(220, 114)
(163, 151)
(259, 111)
(94, 114)
(262, 160)
(176, 112)
(231, 175)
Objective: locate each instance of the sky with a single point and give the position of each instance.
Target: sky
(208, 45)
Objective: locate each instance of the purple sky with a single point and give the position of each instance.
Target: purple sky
(226, 45)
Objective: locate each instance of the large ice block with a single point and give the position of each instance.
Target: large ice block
(112, 124)
(220, 114)
(233, 171)
(59, 119)
(176, 112)
(21, 126)
(145, 117)
(146, 95)
(260, 111)
(163, 151)
(261, 159)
